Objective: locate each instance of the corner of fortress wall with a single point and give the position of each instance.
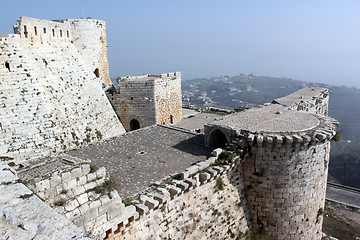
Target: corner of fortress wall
(50, 99)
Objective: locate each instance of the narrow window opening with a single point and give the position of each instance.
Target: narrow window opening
(53, 32)
(25, 32)
(35, 30)
(67, 33)
(7, 65)
(97, 73)
(171, 119)
(44, 30)
(60, 33)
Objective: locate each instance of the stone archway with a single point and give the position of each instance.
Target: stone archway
(217, 139)
(134, 124)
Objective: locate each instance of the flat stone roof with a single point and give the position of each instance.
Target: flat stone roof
(197, 121)
(304, 94)
(142, 157)
(272, 119)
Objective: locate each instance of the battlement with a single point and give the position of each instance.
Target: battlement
(148, 77)
(43, 31)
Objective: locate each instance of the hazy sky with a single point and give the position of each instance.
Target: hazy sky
(307, 40)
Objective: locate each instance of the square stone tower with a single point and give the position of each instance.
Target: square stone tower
(148, 99)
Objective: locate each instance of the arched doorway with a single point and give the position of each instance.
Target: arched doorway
(134, 124)
(217, 139)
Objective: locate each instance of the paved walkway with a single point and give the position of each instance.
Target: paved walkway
(344, 195)
(142, 157)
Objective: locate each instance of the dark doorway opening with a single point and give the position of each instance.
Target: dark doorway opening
(217, 139)
(97, 73)
(134, 124)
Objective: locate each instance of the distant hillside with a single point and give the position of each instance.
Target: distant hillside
(250, 90)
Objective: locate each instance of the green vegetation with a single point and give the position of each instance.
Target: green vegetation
(26, 196)
(337, 136)
(109, 185)
(128, 202)
(219, 185)
(93, 168)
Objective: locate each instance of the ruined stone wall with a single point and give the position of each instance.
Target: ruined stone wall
(168, 98)
(89, 38)
(208, 203)
(285, 183)
(26, 216)
(76, 189)
(49, 99)
(310, 99)
(43, 31)
(135, 102)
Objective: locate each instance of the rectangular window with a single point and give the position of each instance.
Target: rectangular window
(25, 32)
(44, 30)
(67, 33)
(53, 32)
(35, 30)
(60, 33)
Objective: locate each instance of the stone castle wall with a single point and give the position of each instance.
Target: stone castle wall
(209, 203)
(76, 189)
(26, 216)
(310, 99)
(50, 100)
(87, 35)
(168, 98)
(135, 101)
(285, 184)
(148, 99)
(43, 31)
(89, 38)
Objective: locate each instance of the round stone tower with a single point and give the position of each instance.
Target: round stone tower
(89, 38)
(285, 172)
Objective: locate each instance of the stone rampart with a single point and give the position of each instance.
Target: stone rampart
(50, 100)
(43, 31)
(310, 99)
(285, 182)
(26, 216)
(285, 172)
(207, 202)
(76, 189)
(89, 38)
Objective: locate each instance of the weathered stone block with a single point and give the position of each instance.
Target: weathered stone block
(76, 173)
(42, 185)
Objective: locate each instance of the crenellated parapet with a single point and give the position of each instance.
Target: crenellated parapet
(285, 172)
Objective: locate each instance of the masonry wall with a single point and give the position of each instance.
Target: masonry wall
(197, 206)
(285, 184)
(168, 98)
(26, 216)
(50, 100)
(317, 105)
(43, 31)
(135, 101)
(79, 191)
(89, 38)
